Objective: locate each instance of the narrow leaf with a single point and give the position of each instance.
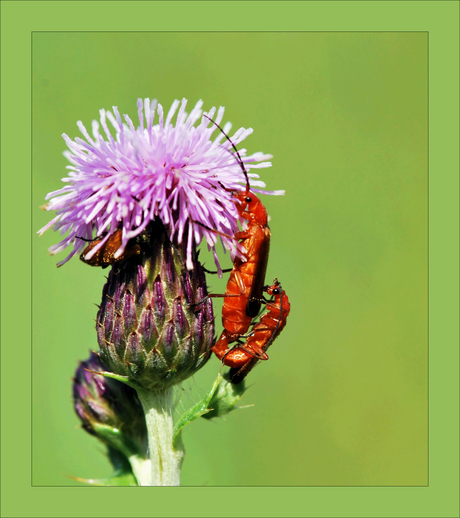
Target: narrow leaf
(201, 408)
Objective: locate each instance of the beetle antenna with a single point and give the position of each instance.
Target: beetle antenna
(240, 161)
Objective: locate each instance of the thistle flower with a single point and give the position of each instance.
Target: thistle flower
(174, 173)
(108, 409)
(145, 198)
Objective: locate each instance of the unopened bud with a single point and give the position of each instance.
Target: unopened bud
(109, 409)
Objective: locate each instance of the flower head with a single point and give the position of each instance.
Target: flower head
(173, 172)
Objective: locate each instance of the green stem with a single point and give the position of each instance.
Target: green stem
(166, 461)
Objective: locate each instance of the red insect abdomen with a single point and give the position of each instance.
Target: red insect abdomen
(234, 318)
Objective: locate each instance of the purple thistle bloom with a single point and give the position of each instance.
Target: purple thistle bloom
(172, 172)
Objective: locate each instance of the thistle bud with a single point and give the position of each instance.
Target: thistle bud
(155, 325)
(109, 409)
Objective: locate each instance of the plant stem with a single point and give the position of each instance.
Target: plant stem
(141, 468)
(165, 460)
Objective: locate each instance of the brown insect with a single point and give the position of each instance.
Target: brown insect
(105, 256)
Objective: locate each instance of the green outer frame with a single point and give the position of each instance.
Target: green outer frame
(439, 18)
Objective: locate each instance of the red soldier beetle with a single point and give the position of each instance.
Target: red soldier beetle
(243, 357)
(244, 293)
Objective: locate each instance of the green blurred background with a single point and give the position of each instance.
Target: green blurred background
(343, 399)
